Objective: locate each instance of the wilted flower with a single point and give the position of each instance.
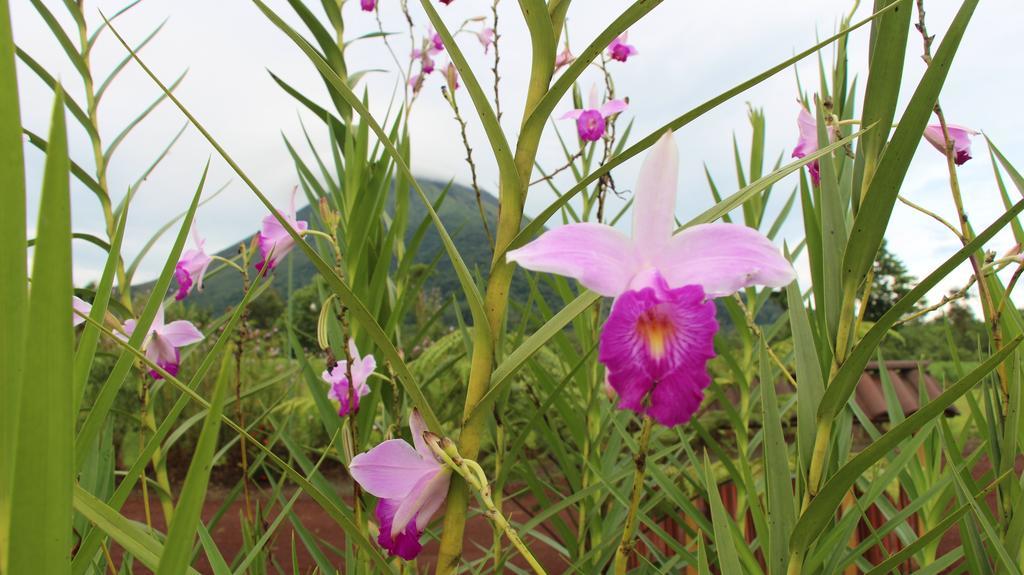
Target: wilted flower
(486, 37)
(659, 334)
(162, 342)
(590, 121)
(411, 485)
(960, 136)
(82, 307)
(362, 368)
(451, 76)
(191, 268)
(808, 142)
(619, 49)
(367, 5)
(564, 58)
(416, 83)
(274, 240)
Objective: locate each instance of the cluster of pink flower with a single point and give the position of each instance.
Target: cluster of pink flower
(591, 121)
(654, 345)
(808, 142)
(163, 342)
(433, 45)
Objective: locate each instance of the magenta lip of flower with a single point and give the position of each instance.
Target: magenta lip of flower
(82, 307)
(590, 122)
(163, 341)
(621, 51)
(437, 43)
(658, 337)
(191, 268)
(808, 142)
(410, 483)
(367, 5)
(274, 241)
(362, 368)
(960, 136)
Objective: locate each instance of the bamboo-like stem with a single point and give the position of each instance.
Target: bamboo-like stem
(474, 475)
(512, 196)
(625, 549)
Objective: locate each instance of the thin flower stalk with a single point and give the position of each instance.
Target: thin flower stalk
(628, 541)
(475, 477)
(450, 98)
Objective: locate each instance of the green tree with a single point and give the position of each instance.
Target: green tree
(892, 281)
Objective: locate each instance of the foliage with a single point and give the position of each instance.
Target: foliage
(502, 366)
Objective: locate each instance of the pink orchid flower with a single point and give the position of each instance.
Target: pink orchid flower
(274, 240)
(620, 50)
(82, 307)
(437, 44)
(163, 341)
(447, 2)
(960, 135)
(191, 268)
(362, 368)
(367, 5)
(659, 335)
(563, 59)
(410, 483)
(590, 121)
(486, 37)
(808, 142)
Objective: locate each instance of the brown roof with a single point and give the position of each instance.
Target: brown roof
(906, 378)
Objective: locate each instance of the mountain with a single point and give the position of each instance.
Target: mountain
(461, 218)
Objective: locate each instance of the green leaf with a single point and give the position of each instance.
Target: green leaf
(822, 508)
(181, 535)
(781, 501)
(87, 343)
(725, 545)
(884, 187)
(845, 380)
(13, 267)
(808, 369)
(104, 400)
(128, 534)
(40, 534)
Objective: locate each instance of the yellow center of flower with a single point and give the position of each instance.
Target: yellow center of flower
(655, 328)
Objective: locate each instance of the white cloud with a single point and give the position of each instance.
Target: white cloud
(688, 53)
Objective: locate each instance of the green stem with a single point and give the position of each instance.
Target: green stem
(629, 530)
(474, 476)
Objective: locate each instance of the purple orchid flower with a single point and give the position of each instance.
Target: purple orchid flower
(486, 37)
(659, 335)
(410, 483)
(191, 268)
(590, 121)
(362, 368)
(82, 307)
(367, 5)
(163, 341)
(563, 59)
(274, 240)
(960, 135)
(447, 2)
(808, 142)
(620, 50)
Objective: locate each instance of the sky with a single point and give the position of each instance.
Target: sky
(688, 53)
